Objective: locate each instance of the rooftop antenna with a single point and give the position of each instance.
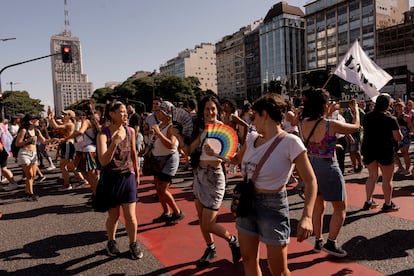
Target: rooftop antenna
(66, 32)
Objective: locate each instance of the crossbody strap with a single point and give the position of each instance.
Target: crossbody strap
(312, 131)
(267, 153)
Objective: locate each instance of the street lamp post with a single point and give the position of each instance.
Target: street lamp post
(12, 95)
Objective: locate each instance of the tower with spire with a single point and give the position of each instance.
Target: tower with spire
(70, 84)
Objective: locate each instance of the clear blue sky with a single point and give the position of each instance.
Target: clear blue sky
(118, 37)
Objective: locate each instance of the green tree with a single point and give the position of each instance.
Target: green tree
(19, 102)
(101, 95)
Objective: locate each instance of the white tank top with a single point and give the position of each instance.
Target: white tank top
(159, 148)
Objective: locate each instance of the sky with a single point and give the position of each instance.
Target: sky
(118, 37)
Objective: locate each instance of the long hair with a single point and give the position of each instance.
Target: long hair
(111, 107)
(200, 125)
(314, 103)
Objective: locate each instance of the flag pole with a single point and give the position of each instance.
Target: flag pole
(326, 82)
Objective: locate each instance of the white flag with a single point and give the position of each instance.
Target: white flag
(357, 68)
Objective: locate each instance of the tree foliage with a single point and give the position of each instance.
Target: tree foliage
(19, 102)
(172, 88)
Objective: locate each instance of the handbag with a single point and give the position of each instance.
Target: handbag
(244, 192)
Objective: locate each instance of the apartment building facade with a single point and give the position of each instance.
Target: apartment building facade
(333, 25)
(199, 62)
(236, 55)
(395, 53)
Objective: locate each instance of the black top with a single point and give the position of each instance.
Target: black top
(378, 128)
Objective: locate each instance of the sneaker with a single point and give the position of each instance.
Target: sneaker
(10, 187)
(370, 205)
(81, 182)
(31, 197)
(390, 208)
(51, 168)
(66, 188)
(41, 178)
(235, 250)
(330, 247)
(318, 245)
(174, 219)
(112, 249)
(162, 218)
(135, 252)
(400, 171)
(209, 255)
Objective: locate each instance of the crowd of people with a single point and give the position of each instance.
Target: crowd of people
(109, 148)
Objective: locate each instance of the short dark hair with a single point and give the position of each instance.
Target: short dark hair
(382, 103)
(273, 104)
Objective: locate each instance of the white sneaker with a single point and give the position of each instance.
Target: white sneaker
(51, 168)
(66, 188)
(10, 187)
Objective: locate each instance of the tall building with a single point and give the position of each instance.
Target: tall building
(282, 47)
(333, 26)
(395, 53)
(199, 62)
(238, 64)
(70, 84)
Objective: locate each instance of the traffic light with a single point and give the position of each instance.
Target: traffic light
(66, 54)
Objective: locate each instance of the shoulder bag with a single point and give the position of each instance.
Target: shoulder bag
(244, 192)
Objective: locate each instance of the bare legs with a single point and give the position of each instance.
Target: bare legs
(373, 175)
(337, 219)
(131, 224)
(276, 256)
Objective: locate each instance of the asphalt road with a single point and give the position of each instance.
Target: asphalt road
(61, 235)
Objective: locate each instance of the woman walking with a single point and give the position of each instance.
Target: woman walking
(66, 146)
(118, 156)
(166, 159)
(27, 156)
(381, 133)
(319, 135)
(268, 221)
(209, 187)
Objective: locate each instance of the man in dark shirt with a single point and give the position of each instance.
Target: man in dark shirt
(134, 119)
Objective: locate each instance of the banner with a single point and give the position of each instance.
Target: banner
(357, 68)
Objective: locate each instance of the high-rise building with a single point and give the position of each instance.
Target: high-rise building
(395, 53)
(238, 64)
(199, 62)
(333, 26)
(70, 84)
(282, 47)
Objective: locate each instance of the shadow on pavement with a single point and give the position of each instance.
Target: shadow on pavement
(393, 244)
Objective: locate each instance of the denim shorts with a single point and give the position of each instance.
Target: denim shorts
(269, 219)
(209, 186)
(331, 183)
(169, 166)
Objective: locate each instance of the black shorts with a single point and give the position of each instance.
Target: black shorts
(3, 158)
(383, 157)
(67, 151)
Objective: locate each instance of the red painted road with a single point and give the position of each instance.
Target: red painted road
(178, 247)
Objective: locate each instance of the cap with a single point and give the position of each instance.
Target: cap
(167, 108)
(69, 112)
